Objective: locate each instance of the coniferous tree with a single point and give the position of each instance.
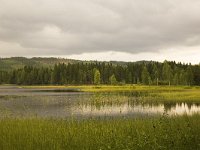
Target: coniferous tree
(167, 72)
(155, 74)
(83, 73)
(189, 75)
(146, 79)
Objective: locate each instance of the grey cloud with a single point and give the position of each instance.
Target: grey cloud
(79, 26)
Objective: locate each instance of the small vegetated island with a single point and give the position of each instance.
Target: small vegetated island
(54, 103)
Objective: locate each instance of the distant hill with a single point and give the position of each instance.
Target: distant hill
(7, 64)
(19, 62)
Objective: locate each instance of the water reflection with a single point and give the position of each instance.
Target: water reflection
(20, 103)
(138, 109)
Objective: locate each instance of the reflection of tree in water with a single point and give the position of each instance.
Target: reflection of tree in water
(189, 106)
(98, 101)
(169, 106)
(197, 104)
(137, 94)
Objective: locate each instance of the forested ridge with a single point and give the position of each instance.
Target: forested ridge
(148, 73)
(8, 64)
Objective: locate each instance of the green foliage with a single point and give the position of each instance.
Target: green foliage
(113, 80)
(167, 72)
(149, 73)
(7, 64)
(189, 75)
(158, 133)
(146, 79)
(97, 76)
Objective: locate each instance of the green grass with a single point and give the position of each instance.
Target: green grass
(181, 132)
(189, 96)
(122, 88)
(144, 93)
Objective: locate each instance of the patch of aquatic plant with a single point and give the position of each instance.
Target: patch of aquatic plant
(190, 96)
(109, 99)
(151, 93)
(58, 90)
(181, 132)
(142, 97)
(8, 97)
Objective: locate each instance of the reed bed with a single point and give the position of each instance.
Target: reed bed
(178, 132)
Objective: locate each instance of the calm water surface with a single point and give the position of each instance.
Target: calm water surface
(16, 102)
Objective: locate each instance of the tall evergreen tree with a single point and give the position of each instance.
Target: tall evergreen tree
(167, 72)
(146, 79)
(189, 75)
(155, 74)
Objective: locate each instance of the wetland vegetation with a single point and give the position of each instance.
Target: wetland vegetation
(181, 132)
(99, 117)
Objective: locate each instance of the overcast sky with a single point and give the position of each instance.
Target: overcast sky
(126, 30)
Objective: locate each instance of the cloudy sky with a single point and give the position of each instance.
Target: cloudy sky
(126, 30)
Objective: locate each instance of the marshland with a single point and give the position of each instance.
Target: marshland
(99, 117)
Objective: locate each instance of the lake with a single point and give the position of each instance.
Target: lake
(65, 103)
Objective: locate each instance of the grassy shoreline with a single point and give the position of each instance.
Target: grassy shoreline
(182, 132)
(152, 93)
(107, 88)
(188, 94)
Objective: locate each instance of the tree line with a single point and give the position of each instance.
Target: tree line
(148, 73)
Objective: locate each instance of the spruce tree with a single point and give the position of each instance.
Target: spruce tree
(146, 79)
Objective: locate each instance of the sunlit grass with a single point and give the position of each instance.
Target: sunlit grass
(147, 93)
(110, 88)
(192, 96)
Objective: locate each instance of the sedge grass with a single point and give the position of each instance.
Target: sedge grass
(189, 94)
(181, 132)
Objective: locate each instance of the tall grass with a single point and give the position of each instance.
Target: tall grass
(181, 132)
(147, 93)
(111, 88)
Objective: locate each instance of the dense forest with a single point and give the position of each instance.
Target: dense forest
(148, 73)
